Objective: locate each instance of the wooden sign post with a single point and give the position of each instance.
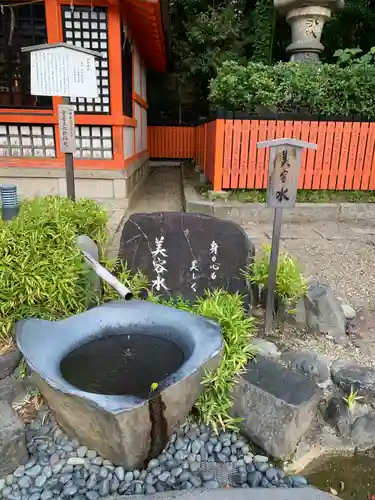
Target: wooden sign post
(67, 71)
(283, 174)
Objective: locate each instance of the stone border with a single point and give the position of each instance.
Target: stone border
(304, 212)
(238, 494)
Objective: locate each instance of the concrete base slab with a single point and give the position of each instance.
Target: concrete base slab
(237, 494)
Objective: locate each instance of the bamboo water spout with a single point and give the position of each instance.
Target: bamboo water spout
(105, 275)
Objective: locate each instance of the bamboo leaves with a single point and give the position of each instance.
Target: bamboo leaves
(41, 270)
(290, 283)
(215, 403)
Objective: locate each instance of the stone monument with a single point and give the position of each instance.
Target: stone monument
(183, 255)
(306, 19)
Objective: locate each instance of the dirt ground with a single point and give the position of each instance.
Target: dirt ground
(342, 255)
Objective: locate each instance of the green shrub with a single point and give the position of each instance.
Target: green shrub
(42, 273)
(323, 89)
(290, 283)
(215, 403)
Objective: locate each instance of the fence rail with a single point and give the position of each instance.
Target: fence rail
(226, 149)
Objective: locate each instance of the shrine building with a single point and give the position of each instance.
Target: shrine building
(111, 155)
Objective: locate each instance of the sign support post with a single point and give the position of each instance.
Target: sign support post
(271, 285)
(68, 143)
(283, 173)
(67, 71)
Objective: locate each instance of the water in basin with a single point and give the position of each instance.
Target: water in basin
(122, 364)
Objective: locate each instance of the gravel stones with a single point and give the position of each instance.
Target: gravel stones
(81, 451)
(348, 311)
(196, 446)
(24, 482)
(204, 459)
(34, 471)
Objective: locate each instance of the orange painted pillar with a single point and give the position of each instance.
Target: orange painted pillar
(115, 70)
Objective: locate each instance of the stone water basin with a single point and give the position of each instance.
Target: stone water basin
(122, 376)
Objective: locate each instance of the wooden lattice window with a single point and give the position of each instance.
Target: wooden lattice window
(20, 26)
(94, 143)
(87, 27)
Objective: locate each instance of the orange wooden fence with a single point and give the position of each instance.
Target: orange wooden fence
(226, 149)
(172, 142)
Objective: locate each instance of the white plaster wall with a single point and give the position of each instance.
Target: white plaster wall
(138, 130)
(144, 129)
(128, 134)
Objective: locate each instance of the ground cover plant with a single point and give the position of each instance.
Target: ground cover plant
(290, 283)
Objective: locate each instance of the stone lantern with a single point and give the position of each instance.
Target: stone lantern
(306, 19)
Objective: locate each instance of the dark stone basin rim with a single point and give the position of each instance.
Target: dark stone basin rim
(59, 338)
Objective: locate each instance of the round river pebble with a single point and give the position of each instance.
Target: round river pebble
(195, 457)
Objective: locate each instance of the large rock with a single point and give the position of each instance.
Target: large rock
(13, 452)
(9, 362)
(97, 370)
(337, 414)
(265, 348)
(313, 364)
(183, 254)
(320, 311)
(340, 416)
(363, 432)
(350, 376)
(277, 404)
(10, 388)
(362, 327)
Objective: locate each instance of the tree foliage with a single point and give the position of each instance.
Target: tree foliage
(352, 27)
(204, 34)
(207, 33)
(262, 25)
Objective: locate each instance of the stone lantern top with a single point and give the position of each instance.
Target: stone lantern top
(286, 5)
(306, 19)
